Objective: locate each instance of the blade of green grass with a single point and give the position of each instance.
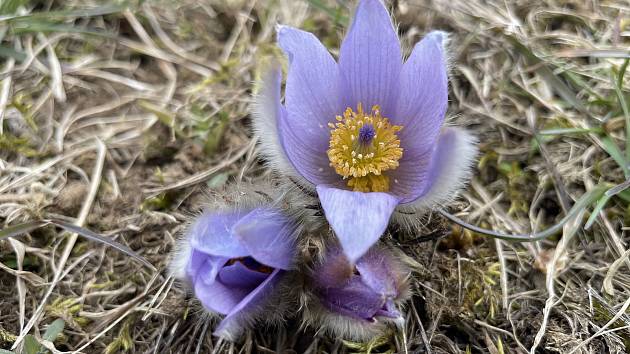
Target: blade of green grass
(601, 203)
(549, 76)
(577, 81)
(618, 188)
(20, 229)
(594, 53)
(54, 330)
(618, 84)
(336, 14)
(31, 345)
(20, 27)
(613, 150)
(71, 14)
(8, 52)
(622, 72)
(624, 195)
(563, 131)
(8, 7)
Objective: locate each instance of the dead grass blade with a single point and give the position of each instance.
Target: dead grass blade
(569, 230)
(87, 205)
(541, 68)
(21, 229)
(621, 312)
(90, 235)
(202, 176)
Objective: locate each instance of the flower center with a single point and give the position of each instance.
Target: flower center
(362, 146)
(251, 264)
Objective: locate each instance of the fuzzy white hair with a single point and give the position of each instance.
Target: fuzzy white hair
(265, 111)
(180, 255)
(454, 174)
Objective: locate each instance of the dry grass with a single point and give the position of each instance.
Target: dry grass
(117, 118)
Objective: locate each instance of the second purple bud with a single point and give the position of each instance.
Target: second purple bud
(358, 302)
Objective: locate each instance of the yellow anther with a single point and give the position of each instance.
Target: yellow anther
(368, 142)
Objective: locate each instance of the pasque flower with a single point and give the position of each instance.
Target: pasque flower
(358, 300)
(234, 260)
(367, 131)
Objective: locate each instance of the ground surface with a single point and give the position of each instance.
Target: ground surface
(118, 117)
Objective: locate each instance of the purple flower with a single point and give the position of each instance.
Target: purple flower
(234, 260)
(366, 131)
(359, 299)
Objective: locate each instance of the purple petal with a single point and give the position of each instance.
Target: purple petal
(212, 234)
(389, 310)
(312, 164)
(354, 299)
(370, 60)
(420, 110)
(377, 269)
(449, 170)
(204, 267)
(376, 273)
(365, 293)
(312, 100)
(359, 219)
(412, 177)
(335, 270)
(195, 262)
(312, 88)
(267, 236)
(248, 306)
(423, 96)
(219, 298)
(238, 275)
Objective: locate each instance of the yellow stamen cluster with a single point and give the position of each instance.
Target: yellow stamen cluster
(362, 161)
